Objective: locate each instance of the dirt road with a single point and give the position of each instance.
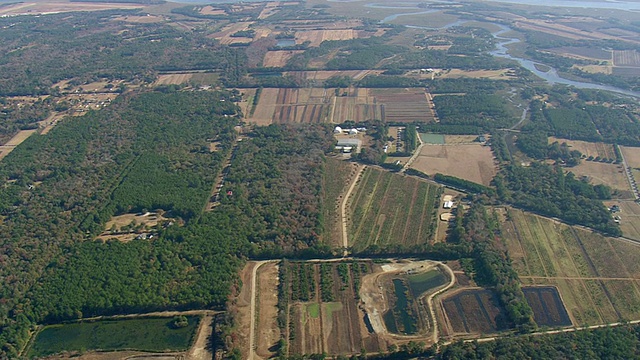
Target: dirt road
(252, 328)
(343, 210)
(415, 155)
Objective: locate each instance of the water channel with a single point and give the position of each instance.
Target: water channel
(502, 50)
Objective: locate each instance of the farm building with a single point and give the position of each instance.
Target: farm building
(447, 204)
(337, 130)
(346, 145)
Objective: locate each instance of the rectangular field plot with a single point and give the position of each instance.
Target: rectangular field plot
(389, 210)
(145, 334)
(475, 311)
(405, 105)
(548, 309)
(596, 276)
(473, 162)
(321, 308)
(292, 106)
(626, 58)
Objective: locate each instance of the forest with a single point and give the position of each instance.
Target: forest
(61, 188)
(38, 52)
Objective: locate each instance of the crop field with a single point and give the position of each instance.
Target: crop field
(547, 306)
(358, 105)
(278, 58)
(626, 58)
(337, 175)
(474, 311)
(597, 277)
(146, 334)
(173, 79)
(322, 313)
(626, 71)
(389, 209)
(265, 108)
(318, 36)
(473, 162)
(292, 105)
(583, 52)
(405, 105)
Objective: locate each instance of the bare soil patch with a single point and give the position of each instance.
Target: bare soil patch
(263, 114)
(35, 8)
(318, 36)
(472, 162)
(128, 226)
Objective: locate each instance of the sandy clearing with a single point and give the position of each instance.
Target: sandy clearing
(473, 162)
(210, 10)
(170, 79)
(588, 148)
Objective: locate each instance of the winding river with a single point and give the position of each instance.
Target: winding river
(502, 50)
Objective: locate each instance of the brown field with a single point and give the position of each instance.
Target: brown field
(631, 155)
(611, 175)
(554, 28)
(548, 308)
(318, 36)
(336, 326)
(16, 140)
(173, 79)
(324, 75)
(502, 74)
(210, 10)
(358, 106)
(263, 114)
(224, 35)
(405, 105)
(626, 58)
(309, 105)
(461, 139)
(473, 162)
(34, 8)
(587, 149)
(278, 58)
(267, 334)
(474, 311)
(597, 277)
(439, 47)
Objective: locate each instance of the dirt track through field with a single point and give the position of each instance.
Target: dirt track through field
(343, 210)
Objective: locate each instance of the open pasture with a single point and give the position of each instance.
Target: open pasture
(595, 275)
(173, 79)
(473, 162)
(608, 174)
(631, 155)
(322, 308)
(387, 209)
(595, 149)
(37, 7)
(630, 217)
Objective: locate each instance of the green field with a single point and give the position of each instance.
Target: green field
(597, 276)
(429, 138)
(146, 334)
(390, 210)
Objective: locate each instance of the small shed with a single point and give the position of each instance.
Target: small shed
(448, 204)
(337, 130)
